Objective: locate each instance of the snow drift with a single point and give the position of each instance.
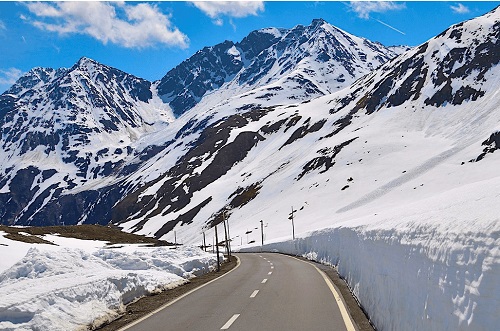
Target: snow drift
(71, 288)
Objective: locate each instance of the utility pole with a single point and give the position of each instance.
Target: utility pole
(262, 231)
(229, 236)
(217, 248)
(204, 242)
(293, 225)
(226, 235)
(175, 239)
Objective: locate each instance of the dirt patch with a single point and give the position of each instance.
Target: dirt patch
(110, 234)
(148, 304)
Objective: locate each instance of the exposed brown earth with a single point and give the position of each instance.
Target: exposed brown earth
(110, 234)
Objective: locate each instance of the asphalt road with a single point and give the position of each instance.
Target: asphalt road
(266, 292)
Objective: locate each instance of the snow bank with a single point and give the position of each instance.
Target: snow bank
(433, 265)
(71, 288)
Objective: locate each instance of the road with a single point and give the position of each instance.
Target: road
(266, 292)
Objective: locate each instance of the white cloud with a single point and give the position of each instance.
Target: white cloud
(132, 26)
(2, 26)
(218, 21)
(364, 8)
(460, 9)
(236, 9)
(9, 76)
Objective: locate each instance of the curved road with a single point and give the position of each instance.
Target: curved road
(265, 292)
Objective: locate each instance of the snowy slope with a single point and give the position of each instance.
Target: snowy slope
(429, 265)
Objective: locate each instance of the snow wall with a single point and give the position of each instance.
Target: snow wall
(434, 266)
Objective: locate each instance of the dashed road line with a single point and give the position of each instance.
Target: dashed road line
(238, 263)
(270, 273)
(254, 293)
(264, 281)
(230, 322)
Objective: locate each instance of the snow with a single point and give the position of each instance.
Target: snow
(77, 283)
(233, 51)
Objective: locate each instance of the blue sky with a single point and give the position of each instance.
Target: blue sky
(149, 38)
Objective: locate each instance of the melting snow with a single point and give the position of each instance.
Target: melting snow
(79, 282)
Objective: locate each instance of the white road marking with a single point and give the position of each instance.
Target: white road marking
(238, 263)
(272, 267)
(343, 310)
(254, 294)
(270, 272)
(264, 281)
(230, 322)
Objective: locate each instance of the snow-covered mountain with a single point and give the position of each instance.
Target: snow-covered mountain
(305, 61)
(63, 129)
(69, 133)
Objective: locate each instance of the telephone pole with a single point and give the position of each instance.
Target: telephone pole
(226, 235)
(262, 231)
(229, 236)
(204, 242)
(293, 225)
(217, 248)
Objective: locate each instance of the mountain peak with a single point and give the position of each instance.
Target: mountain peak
(318, 22)
(87, 63)
(84, 60)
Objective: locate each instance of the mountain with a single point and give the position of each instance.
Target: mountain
(71, 137)
(422, 124)
(63, 129)
(313, 60)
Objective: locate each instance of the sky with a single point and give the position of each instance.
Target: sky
(147, 39)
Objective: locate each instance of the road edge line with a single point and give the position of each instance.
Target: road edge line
(340, 303)
(238, 262)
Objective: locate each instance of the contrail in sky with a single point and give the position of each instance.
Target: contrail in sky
(391, 27)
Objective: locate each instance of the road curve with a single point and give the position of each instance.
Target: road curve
(266, 292)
